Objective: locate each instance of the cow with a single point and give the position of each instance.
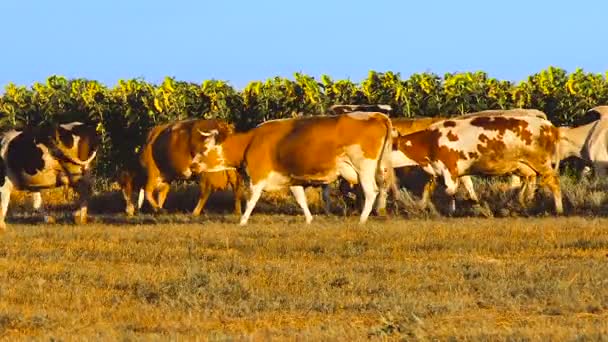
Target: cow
(167, 155)
(404, 126)
(588, 140)
(37, 158)
(485, 145)
(307, 151)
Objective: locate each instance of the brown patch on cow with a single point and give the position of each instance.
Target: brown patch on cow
(423, 147)
(494, 146)
(449, 123)
(501, 124)
(450, 158)
(473, 155)
(549, 137)
(452, 137)
(418, 146)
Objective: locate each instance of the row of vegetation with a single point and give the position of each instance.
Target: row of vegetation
(125, 112)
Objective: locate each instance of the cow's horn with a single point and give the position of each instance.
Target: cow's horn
(86, 162)
(212, 132)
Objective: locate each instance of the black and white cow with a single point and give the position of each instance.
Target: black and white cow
(37, 158)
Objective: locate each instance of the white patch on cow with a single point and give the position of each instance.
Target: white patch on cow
(408, 143)
(5, 196)
(360, 115)
(275, 181)
(399, 159)
(346, 169)
(6, 139)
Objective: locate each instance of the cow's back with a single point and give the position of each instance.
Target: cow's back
(406, 126)
(309, 147)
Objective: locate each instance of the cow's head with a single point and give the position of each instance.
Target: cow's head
(78, 142)
(210, 157)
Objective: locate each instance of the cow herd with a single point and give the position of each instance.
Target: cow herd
(357, 145)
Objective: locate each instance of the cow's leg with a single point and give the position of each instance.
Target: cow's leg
(367, 179)
(526, 192)
(300, 195)
(205, 191)
(429, 188)
(359, 196)
(149, 194)
(256, 192)
(467, 182)
(39, 209)
(515, 182)
(530, 188)
(127, 191)
(451, 187)
(84, 188)
(36, 201)
(551, 180)
(163, 190)
(5, 197)
(325, 195)
(141, 195)
(237, 188)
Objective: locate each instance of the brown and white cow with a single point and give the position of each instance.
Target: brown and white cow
(46, 157)
(485, 145)
(404, 126)
(308, 151)
(168, 155)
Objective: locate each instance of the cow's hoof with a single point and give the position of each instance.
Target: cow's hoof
(130, 210)
(160, 211)
(49, 219)
(80, 220)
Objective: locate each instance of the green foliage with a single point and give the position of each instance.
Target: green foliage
(128, 110)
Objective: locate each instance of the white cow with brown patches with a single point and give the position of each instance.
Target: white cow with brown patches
(485, 145)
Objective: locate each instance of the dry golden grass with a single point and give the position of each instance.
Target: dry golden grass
(469, 278)
(177, 277)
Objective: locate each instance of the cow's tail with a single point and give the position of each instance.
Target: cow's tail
(385, 176)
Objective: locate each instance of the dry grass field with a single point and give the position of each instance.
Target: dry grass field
(176, 277)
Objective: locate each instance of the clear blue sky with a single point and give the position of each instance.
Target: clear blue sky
(241, 41)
